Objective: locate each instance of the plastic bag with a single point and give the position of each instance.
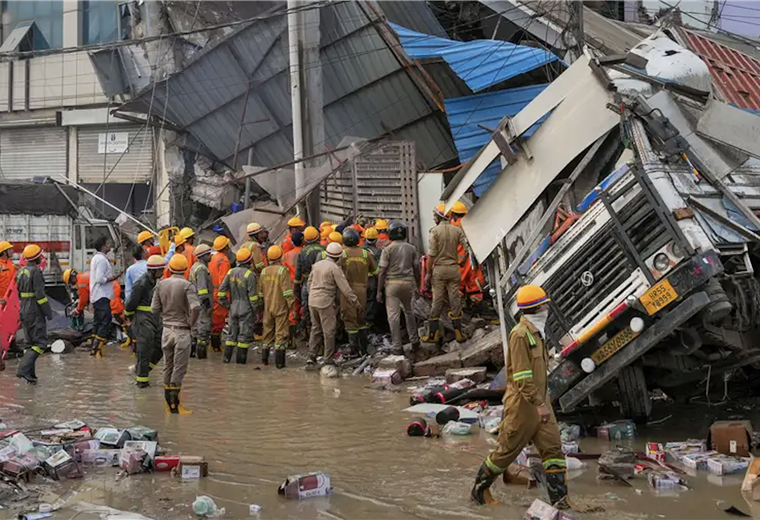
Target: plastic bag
(205, 506)
(457, 428)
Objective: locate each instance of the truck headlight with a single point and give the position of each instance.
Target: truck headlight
(661, 262)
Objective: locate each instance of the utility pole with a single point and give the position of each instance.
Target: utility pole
(296, 97)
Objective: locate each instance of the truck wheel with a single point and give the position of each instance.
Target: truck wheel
(634, 396)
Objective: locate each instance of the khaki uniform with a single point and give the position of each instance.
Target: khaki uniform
(259, 260)
(200, 277)
(399, 259)
(277, 290)
(358, 266)
(526, 391)
(325, 280)
(444, 240)
(241, 296)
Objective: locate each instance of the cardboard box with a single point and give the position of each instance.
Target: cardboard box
(655, 451)
(142, 433)
(540, 510)
(731, 437)
(617, 431)
(306, 486)
(149, 447)
(112, 437)
(659, 480)
(131, 461)
(166, 462)
(387, 376)
(192, 467)
(101, 458)
(725, 465)
(74, 424)
(697, 461)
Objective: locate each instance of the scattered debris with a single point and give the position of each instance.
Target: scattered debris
(457, 428)
(205, 506)
(731, 437)
(731, 510)
(617, 431)
(306, 486)
(540, 510)
(475, 374)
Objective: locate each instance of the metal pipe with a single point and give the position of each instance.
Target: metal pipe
(495, 274)
(247, 200)
(294, 46)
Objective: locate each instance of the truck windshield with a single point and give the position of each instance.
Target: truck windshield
(92, 233)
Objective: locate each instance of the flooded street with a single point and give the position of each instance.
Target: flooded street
(255, 427)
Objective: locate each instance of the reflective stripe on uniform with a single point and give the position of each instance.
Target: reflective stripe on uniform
(28, 295)
(525, 374)
(129, 313)
(560, 463)
(42, 301)
(38, 350)
(222, 293)
(144, 308)
(253, 298)
(260, 265)
(231, 343)
(280, 347)
(152, 365)
(247, 274)
(243, 345)
(141, 379)
(531, 339)
(202, 291)
(287, 293)
(493, 467)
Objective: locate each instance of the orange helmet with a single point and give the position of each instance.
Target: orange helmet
(310, 234)
(243, 256)
(296, 222)
(326, 232)
(221, 242)
(325, 224)
(178, 264)
(529, 296)
(335, 237)
(32, 252)
(274, 253)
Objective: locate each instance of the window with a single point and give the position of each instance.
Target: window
(99, 21)
(47, 16)
(92, 233)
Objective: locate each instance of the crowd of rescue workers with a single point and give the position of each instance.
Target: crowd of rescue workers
(181, 302)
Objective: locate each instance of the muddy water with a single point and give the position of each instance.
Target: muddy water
(257, 426)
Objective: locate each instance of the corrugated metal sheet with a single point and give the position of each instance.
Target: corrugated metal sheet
(735, 75)
(413, 14)
(33, 152)
(467, 114)
(480, 63)
(135, 165)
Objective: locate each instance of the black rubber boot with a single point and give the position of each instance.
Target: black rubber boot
(353, 343)
(201, 349)
(265, 355)
(279, 358)
(26, 367)
(293, 332)
(96, 347)
(556, 485)
(193, 347)
(434, 332)
(176, 407)
(481, 491)
(460, 336)
(363, 342)
(216, 342)
(227, 354)
(169, 398)
(142, 384)
(242, 356)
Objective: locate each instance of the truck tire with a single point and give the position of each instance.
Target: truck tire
(634, 396)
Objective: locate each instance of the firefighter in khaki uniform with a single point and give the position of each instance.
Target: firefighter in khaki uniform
(528, 414)
(358, 265)
(200, 277)
(238, 292)
(444, 241)
(277, 290)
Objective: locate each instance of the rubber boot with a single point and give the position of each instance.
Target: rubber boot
(460, 336)
(258, 332)
(142, 384)
(279, 358)
(127, 340)
(265, 355)
(434, 332)
(353, 343)
(481, 491)
(193, 347)
(169, 398)
(26, 367)
(557, 487)
(293, 332)
(242, 356)
(201, 349)
(216, 342)
(363, 342)
(177, 406)
(227, 354)
(96, 349)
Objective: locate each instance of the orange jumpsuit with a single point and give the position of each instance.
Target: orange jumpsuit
(291, 260)
(218, 267)
(117, 304)
(7, 274)
(287, 243)
(471, 278)
(189, 253)
(359, 230)
(83, 291)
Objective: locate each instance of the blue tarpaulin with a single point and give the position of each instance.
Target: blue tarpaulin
(479, 63)
(466, 113)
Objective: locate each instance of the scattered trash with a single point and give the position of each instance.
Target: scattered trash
(725, 465)
(418, 428)
(540, 510)
(751, 483)
(611, 496)
(329, 371)
(192, 468)
(731, 437)
(457, 428)
(617, 431)
(660, 480)
(431, 409)
(167, 462)
(731, 510)
(254, 509)
(492, 425)
(205, 506)
(448, 414)
(573, 463)
(569, 432)
(306, 486)
(569, 448)
(383, 377)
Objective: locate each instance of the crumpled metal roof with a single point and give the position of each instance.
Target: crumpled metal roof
(479, 63)
(467, 113)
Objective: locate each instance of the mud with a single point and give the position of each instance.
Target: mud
(255, 427)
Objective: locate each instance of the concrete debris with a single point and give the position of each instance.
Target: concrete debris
(485, 351)
(398, 363)
(476, 374)
(437, 366)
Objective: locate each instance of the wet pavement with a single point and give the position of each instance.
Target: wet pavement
(255, 427)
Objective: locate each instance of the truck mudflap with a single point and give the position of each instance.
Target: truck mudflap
(636, 348)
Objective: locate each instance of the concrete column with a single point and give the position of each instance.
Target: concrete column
(73, 166)
(72, 23)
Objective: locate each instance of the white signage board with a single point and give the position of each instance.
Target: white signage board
(113, 142)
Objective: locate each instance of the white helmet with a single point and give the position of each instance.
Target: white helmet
(334, 250)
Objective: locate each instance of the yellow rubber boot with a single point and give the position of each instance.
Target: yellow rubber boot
(168, 397)
(178, 408)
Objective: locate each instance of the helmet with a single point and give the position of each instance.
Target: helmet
(178, 264)
(334, 250)
(243, 256)
(397, 230)
(529, 296)
(144, 236)
(274, 253)
(459, 208)
(221, 242)
(310, 234)
(351, 237)
(381, 224)
(202, 250)
(253, 228)
(325, 224)
(296, 222)
(440, 210)
(32, 252)
(154, 250)
(5, 246)
(187, 232)
(335, 237)
(179, 239)
(157, 262)
(370, 234)
(67, 275)
(326, 232)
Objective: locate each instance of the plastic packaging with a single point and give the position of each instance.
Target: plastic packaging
(573, 463)
(254, 509)
(205, 506)
(457, 428)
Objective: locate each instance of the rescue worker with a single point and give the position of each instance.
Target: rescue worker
(35, 309)
(311, 253)
(146, 326)
(117, 314)
(358, 266)
(370, 244)
(101, 294)
(325, 224)
(239, 293)
(146, 239)
(399, 277)
(335, 237)
(295, 225)
(325, 279)
(80, 281)
(471, 279)
(175, 300)
(179, 247)
(257, 236)
(359, 227)
(444, 241)
(291, 263)
(189, 235)
(218, 268)
(7, 269)
(136, 270)
(200, 277)
(528, 415)
(383, 239)
(276, 289)
(324, 234)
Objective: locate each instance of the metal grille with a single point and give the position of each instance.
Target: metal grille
(33, 152)
(134, 165)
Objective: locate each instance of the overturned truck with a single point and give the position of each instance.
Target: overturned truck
(651, 271)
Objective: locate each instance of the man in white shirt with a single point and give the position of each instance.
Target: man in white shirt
(101, 294)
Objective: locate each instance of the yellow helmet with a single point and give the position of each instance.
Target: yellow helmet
(243, 256)
(335, 237)
(381, 224)
(179, 239)
(221, 242)
(253, 228)
(459, 208)
(144, 236)
(370, 234)
(296, 222)
(187, 232)
(178, 264)
(67, 275)
(32, 252)
(202, 250)
(274, 253)
(5, 246)
(310, 234)
(325, 224)
(157, 262)
(529, 296)
(440, 210)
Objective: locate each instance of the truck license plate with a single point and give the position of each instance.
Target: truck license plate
(611, 346)
(658, 297)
